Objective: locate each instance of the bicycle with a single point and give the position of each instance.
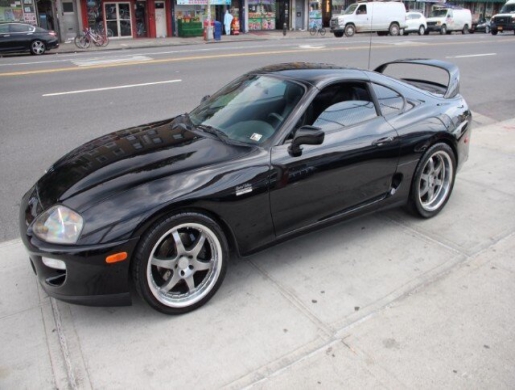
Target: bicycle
(315, 29)
(83, 40)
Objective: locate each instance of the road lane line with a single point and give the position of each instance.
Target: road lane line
(110, 88)
(473, 55)
(233, 55)
(109, 61)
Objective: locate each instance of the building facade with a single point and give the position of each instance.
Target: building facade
(161, 18)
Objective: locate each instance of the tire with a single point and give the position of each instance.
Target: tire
(421, 30)
(338, 34)
(494, 32)
(465, 29)
(81, 41)
(443, 30)
(312, 31)
(394, 29)
(433, 181)
(180, 263)
(350, 30)
(322, 31)
(37, 47)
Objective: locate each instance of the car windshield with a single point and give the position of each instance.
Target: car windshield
(438, 13)
(250, 109)
(350, 9)
(508, 9)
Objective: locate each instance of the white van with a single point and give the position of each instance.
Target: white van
(381, 17)
(505, 19)
(447, 20)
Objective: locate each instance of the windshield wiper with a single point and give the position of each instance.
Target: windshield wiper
(217, 133)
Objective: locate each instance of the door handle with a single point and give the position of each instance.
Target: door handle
(382, 141)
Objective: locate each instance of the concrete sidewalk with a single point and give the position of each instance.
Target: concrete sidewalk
(386, 301)
(138, 43)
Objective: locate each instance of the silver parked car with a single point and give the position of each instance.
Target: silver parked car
(416, 23)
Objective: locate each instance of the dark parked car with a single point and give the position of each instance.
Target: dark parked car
(20, 37)
(480, 25)
(279, 151)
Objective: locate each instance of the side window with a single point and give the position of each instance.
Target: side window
(362, 10)
(19, 28)
(341, 105)
(4, 28)
(390, 101)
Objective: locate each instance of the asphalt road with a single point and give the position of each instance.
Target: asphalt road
(54, 103)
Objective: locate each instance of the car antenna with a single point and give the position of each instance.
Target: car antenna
(370, 40)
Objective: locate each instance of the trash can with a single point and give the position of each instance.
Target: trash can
(218, 30)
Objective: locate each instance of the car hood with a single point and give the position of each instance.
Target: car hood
(127, 158)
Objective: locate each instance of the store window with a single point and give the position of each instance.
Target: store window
(118, 19)
(262, 14)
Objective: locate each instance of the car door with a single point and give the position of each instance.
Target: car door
(352, 168)
(21, 36)
(362, 19)
(5, 38)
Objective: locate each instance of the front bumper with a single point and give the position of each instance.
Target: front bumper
(88, 279)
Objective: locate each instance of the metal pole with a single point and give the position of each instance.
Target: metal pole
(209, 32)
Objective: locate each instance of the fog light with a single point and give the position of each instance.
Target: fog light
(54, 263)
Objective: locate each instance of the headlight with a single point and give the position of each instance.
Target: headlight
(58, 225)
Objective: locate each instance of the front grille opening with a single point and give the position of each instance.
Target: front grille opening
(57, 280)
(33, 267)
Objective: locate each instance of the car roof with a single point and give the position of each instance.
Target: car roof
(312, 73)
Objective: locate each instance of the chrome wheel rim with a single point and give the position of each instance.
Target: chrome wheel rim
(184, 265)
(435, 181)
(38, 47)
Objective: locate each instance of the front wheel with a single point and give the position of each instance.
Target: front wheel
(421, 30)
(37, 47)
(350, 30)
(494, 32)
(338, 34)
(180, 263)
(443, 30)
(433, 181)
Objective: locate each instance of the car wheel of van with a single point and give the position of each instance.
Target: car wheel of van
(443, 30)
(37, 47)
(465, 29)
(180, 263)
(394, 29)
(350, 30)
(338, 34)
(433, 181)
(421, 30)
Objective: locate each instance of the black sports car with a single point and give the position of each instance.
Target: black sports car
(20, 37)
(279, 151)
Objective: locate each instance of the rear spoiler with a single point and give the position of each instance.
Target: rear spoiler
(453, 87)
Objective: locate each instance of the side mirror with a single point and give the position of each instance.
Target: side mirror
(205, 98)
(306, 135)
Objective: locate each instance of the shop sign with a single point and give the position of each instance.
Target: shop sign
(203, 2)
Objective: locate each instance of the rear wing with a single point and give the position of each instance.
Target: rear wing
(451, 89)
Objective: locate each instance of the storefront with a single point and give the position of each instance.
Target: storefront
(129, 19)
(18, 11)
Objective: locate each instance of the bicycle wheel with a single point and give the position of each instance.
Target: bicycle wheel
(312, 31)
(322, 31)
(97, 39)
(105, 40)
(82, 41)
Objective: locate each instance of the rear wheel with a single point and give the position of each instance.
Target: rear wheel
(312, 31)
(465, 29)
(338, 34)
(350, 30)
(322, 31)
(180, 263)
(37, 47)
(394, 29)
(494, 32)
(433, 181)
